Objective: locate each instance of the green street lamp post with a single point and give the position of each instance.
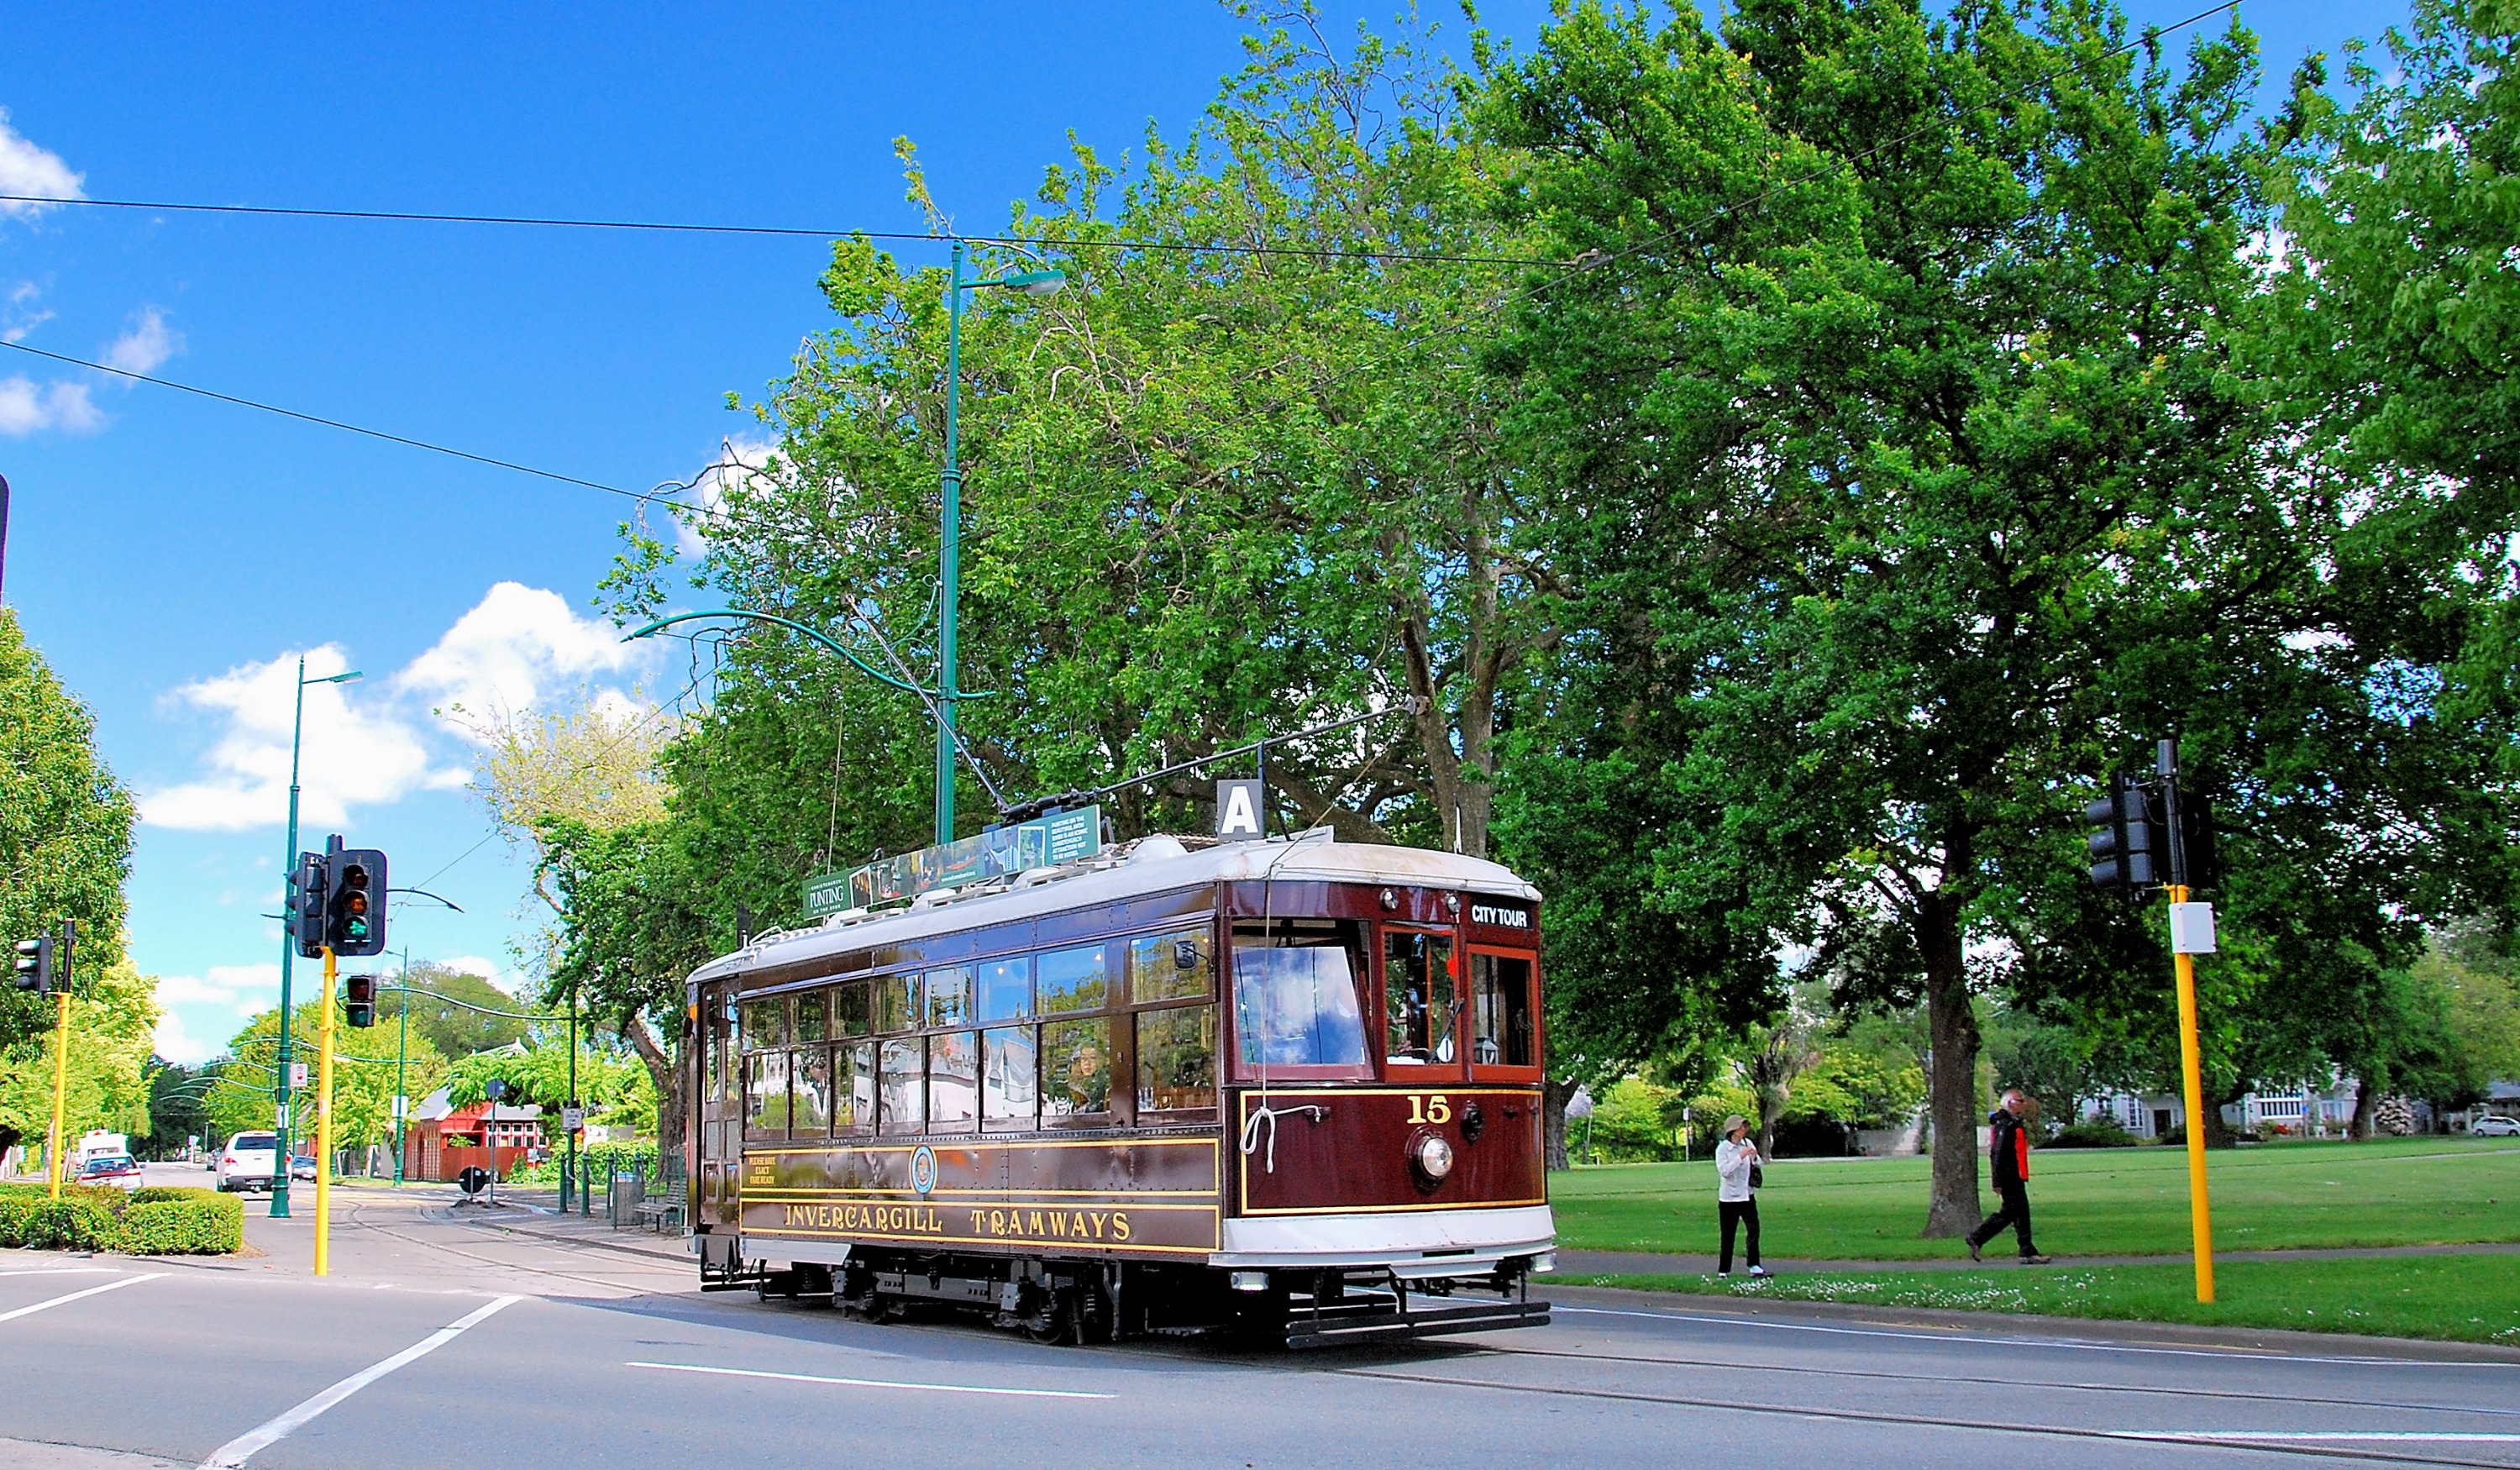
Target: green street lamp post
(288, 938)
(950, 543)
(402, 1056)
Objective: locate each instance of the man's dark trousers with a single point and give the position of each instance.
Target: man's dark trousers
(2016, 1213)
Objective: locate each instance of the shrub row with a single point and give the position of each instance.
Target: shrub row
(155, 1222)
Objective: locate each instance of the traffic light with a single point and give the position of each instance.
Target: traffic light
(2196, 839)
(357, 900)
(35, 965)
(359, 1000)
(2122, 839)
(310, 898)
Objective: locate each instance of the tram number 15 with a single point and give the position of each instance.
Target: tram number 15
(1429, 1107)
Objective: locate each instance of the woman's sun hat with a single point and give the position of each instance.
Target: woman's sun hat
(1733, 1122)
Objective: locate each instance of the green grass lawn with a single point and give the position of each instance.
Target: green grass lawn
(2086, 1202)
(2461, 1298)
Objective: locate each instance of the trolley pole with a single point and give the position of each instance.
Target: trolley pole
(570, 1127)
(323, 1128)
(2192, 1054)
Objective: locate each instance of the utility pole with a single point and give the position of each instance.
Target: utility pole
(61, 1051)
(402, 1052)
(324, 1125)
(2183, 949)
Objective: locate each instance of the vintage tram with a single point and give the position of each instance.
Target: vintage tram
(1289, 1088)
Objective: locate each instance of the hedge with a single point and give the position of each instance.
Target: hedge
(152, 1221)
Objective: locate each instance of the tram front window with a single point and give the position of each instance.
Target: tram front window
(1418, 997)
(1500, 1011)
(1294, 1000)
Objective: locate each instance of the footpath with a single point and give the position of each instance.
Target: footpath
(536, 1213)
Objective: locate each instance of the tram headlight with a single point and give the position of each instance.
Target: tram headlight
(1433, 1156)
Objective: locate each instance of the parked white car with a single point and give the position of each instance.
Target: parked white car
(251, 1161)
(2492, 1125)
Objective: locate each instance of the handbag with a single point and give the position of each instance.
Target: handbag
(1758, 1177)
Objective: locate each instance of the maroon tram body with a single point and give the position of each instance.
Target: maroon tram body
(1290, 1087)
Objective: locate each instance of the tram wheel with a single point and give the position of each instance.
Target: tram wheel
(1055, 1322)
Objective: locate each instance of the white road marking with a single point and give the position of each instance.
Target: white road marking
(11, 1317)
(243, 1447)
(876, 1383)
(64, 1271)
(2006, 1341)
(2312, 1437)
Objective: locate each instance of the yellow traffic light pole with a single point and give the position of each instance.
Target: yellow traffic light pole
(2191, 1061)
(61, 1083)
(323, 1128)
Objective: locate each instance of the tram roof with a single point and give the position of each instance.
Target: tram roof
(1134, 870)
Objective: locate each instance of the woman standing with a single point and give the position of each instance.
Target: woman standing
(1737, 1201)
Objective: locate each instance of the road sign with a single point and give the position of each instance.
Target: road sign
(571, 1119)
(296, 1075)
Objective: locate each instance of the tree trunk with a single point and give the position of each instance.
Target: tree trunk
(672, 1107)
(1953, 1207)
(1554, 1096)
(2366, 1111)
(2218, 1133)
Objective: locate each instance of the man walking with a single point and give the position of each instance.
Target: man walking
(2010, 1146)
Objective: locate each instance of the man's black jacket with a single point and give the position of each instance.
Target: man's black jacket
(2010, 1148)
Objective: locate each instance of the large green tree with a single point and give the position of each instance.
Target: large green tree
(64, 849)
(1913, 482)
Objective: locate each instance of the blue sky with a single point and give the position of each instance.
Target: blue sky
(172, 555)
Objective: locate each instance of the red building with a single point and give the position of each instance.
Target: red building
(442, 1141)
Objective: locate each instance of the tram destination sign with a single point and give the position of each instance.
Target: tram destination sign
(1044, 841)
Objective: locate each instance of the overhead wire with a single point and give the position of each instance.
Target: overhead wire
(795, 232)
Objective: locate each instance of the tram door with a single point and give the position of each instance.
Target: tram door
(721, 1109)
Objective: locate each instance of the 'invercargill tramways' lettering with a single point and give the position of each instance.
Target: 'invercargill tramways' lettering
(1068, 1224)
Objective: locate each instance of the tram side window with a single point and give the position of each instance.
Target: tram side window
(1177, 1058)
(850, 1010)
(953, 1082)
(1076, 1071)
(1178, 965)
(1294, 995)
(713, 1053)
(1006, 989)
(1418, 997)
(1073, 980)
(1500, 1011)
(896, 1003)
(765, 1096)
(813, 1016)
(949, 997)
(809, 1113)
(765, 1023)
(904, 1085)
(1010, 1084)
(853, 1083)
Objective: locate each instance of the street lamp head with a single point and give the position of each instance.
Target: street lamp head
(347, 677)
(1037, 283)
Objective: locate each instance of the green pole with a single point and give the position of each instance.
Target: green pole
(571, 1167)
(950, 552)
(288, 949)
(402, 1052)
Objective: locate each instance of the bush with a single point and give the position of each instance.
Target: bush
(2092, 1133)
(141, 1221)
(72, 1225)
(214, 1227)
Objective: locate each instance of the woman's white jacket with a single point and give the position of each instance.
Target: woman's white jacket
(1733, 1163)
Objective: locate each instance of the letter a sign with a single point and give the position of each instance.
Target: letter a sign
(1238, 811)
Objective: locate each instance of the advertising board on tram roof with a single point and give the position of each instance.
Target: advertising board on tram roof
(1044, 841)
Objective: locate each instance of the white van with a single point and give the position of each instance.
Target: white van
(251, 1161)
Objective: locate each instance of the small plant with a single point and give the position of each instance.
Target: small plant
(2092, 1133)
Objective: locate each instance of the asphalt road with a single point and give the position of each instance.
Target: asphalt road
(436, 1342)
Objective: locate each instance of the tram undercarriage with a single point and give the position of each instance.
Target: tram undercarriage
(1078, 1301)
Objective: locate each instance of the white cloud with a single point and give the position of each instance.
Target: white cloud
(26, 407)
(737, 460)
(25, 168)
(354, 751)
(240, 991)
(516, 642)
(176, 1043)
(19, 314)
(148, 343)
